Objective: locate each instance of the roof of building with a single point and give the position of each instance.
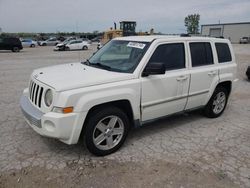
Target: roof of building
(236, 23)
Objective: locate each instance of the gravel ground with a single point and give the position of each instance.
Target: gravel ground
(187, 150)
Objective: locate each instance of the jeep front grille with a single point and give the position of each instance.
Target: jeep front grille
(35, 93)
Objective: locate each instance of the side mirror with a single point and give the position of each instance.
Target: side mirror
(154, 69)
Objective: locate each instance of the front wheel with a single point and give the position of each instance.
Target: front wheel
(217, 103)
(106, 130)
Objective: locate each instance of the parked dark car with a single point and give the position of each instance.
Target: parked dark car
(248, 73)
(10, 43)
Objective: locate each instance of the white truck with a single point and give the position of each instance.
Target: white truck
(129, 82)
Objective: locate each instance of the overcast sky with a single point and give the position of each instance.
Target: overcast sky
(86, 16)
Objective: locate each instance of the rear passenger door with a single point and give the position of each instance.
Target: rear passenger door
(226, 60)
(204, 73)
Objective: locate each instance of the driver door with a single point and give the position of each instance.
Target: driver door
(167, 93)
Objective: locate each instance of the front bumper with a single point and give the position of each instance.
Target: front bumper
(65, 127)
(59, 48)
(31, 114)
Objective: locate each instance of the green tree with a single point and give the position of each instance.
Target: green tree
(192, 23)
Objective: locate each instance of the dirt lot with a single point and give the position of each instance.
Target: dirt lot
(187, 150)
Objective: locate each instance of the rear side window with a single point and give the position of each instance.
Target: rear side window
(201, 54)
(11, 40)
(223, 52)
(172, 55)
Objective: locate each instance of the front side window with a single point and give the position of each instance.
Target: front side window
(223, 52)
(201, 53)
(73, 42)
(172, 55)
(119, 56)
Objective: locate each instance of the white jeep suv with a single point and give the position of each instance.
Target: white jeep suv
(128, 82)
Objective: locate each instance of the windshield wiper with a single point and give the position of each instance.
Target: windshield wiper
(87, 62)
(106, 67)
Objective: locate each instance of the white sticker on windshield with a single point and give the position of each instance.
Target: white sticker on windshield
(136, 45)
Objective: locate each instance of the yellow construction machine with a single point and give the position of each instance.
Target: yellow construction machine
(127, 28)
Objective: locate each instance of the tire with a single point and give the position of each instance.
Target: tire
(44, 44)
(15, 49)
(85, 47)
(248, 73)
(32, 45)
(217, 103)
(102, 124)
(248, 77)
(67, 49)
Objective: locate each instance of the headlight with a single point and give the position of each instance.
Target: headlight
(48, 97)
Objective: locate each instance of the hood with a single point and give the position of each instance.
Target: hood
(60, 44)
(76, 75)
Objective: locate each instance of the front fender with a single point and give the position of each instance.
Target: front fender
(88, 101)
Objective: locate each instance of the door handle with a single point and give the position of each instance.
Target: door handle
(212, 73)
(181, 78)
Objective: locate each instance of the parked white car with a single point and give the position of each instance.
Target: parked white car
(77, 45)
(49, 42)
(28, 43)
(130, 81)
(62, 46)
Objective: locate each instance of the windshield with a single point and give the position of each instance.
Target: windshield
(119, 56)
(67, 40)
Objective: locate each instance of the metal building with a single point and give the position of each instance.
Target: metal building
(232, 31)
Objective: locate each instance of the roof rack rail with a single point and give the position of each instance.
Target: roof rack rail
(220, 37)
(185, 35)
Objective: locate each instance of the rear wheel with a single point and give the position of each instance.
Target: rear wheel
(217, 103)
(15, 49)
(84, 47)
(106, 130)
(32, 45)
